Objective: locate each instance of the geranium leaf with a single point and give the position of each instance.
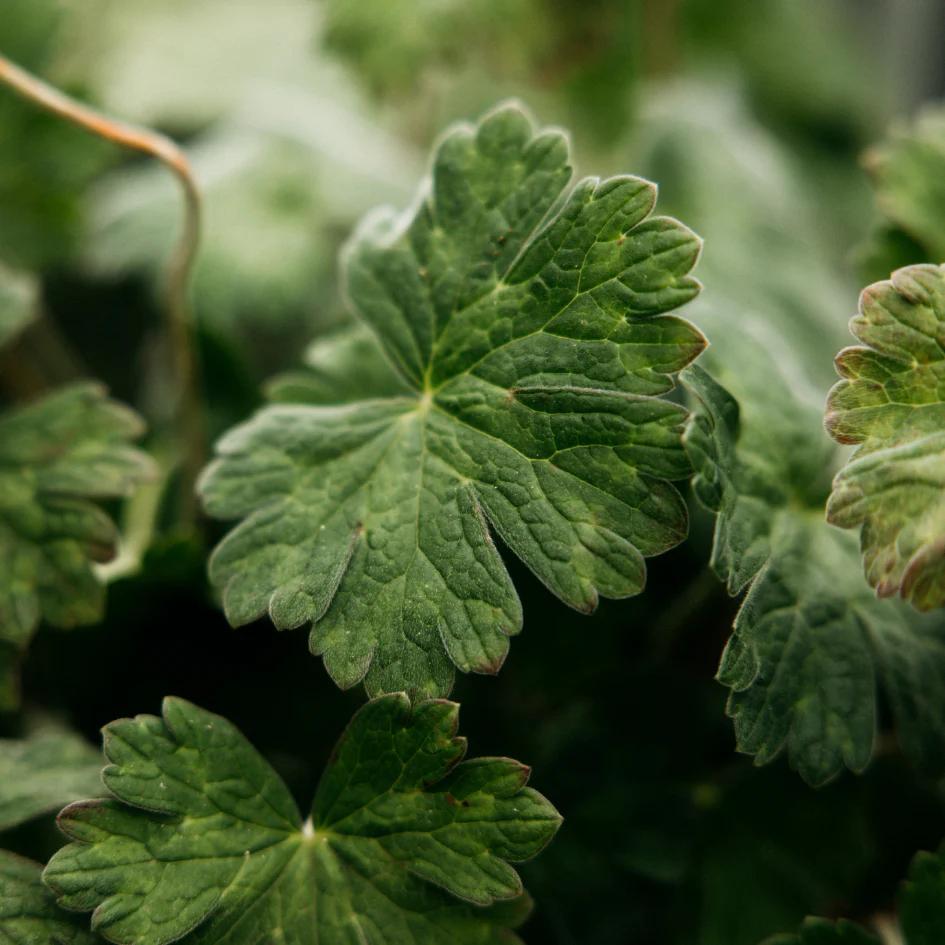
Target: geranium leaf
(43, 772)
(523, 321)
(347, 365)
(28, 911)
(406, 842)
(891, 404)
(58, 456)
(810, 642)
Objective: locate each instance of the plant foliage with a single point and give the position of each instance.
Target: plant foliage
(891, 404)
(522, 318)
(59, 456)
(406, 842)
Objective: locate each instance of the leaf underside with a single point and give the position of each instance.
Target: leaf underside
(59, 457)
(810, 642)
(406, 842)
(891, 404)
(521, 321)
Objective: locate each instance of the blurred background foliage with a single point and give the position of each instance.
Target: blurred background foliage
(802, 139)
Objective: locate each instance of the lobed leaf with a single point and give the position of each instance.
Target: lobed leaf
(810, 642)
(891, 404)
(28, 911)
(43, 772)
(57, 457)
(405, 843)
(522, 321)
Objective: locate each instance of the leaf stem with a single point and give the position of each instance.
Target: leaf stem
(189, 415)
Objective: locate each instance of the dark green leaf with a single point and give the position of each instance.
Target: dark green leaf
(922, 900)
(810, 642)
(28, 912)
(406, 842)
(58, 456)
(522, 319)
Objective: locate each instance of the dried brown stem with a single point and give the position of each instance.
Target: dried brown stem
(180, 264)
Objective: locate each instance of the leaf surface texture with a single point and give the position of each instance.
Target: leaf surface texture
(522, 320)
(406, 842)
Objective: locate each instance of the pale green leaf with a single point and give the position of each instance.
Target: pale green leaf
(18, 303)
(28, 912)
(58, 457)
(891, 404)
(522, 319)
(810, 643)
(406, 842)
(43, 772)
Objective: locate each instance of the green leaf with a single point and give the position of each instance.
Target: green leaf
(810, 642)
(891, 404)
(907, 175)
(57, 457)
(274, 207)
(28, 911)
(522, 319)
(344, 366)
(18, 303)
(203, 843)
(922, 900)
(43, 772)
(823, 932)
(921, 912)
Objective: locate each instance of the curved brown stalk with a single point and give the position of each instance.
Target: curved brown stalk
(180, 264)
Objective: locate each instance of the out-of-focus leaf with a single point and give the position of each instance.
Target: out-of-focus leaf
(43, 772)
(891, 404)
(908, 172)
(275, 209)
(756, 873)
(921, 913)
(524, 320)
(18, 300)
(922, 900)
(45, 163)
(152, 61)
(392, 45)
(203, 842)
(823, 932)
(28, 912)
(58, 457)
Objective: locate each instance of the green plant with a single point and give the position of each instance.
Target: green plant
(502, 427)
